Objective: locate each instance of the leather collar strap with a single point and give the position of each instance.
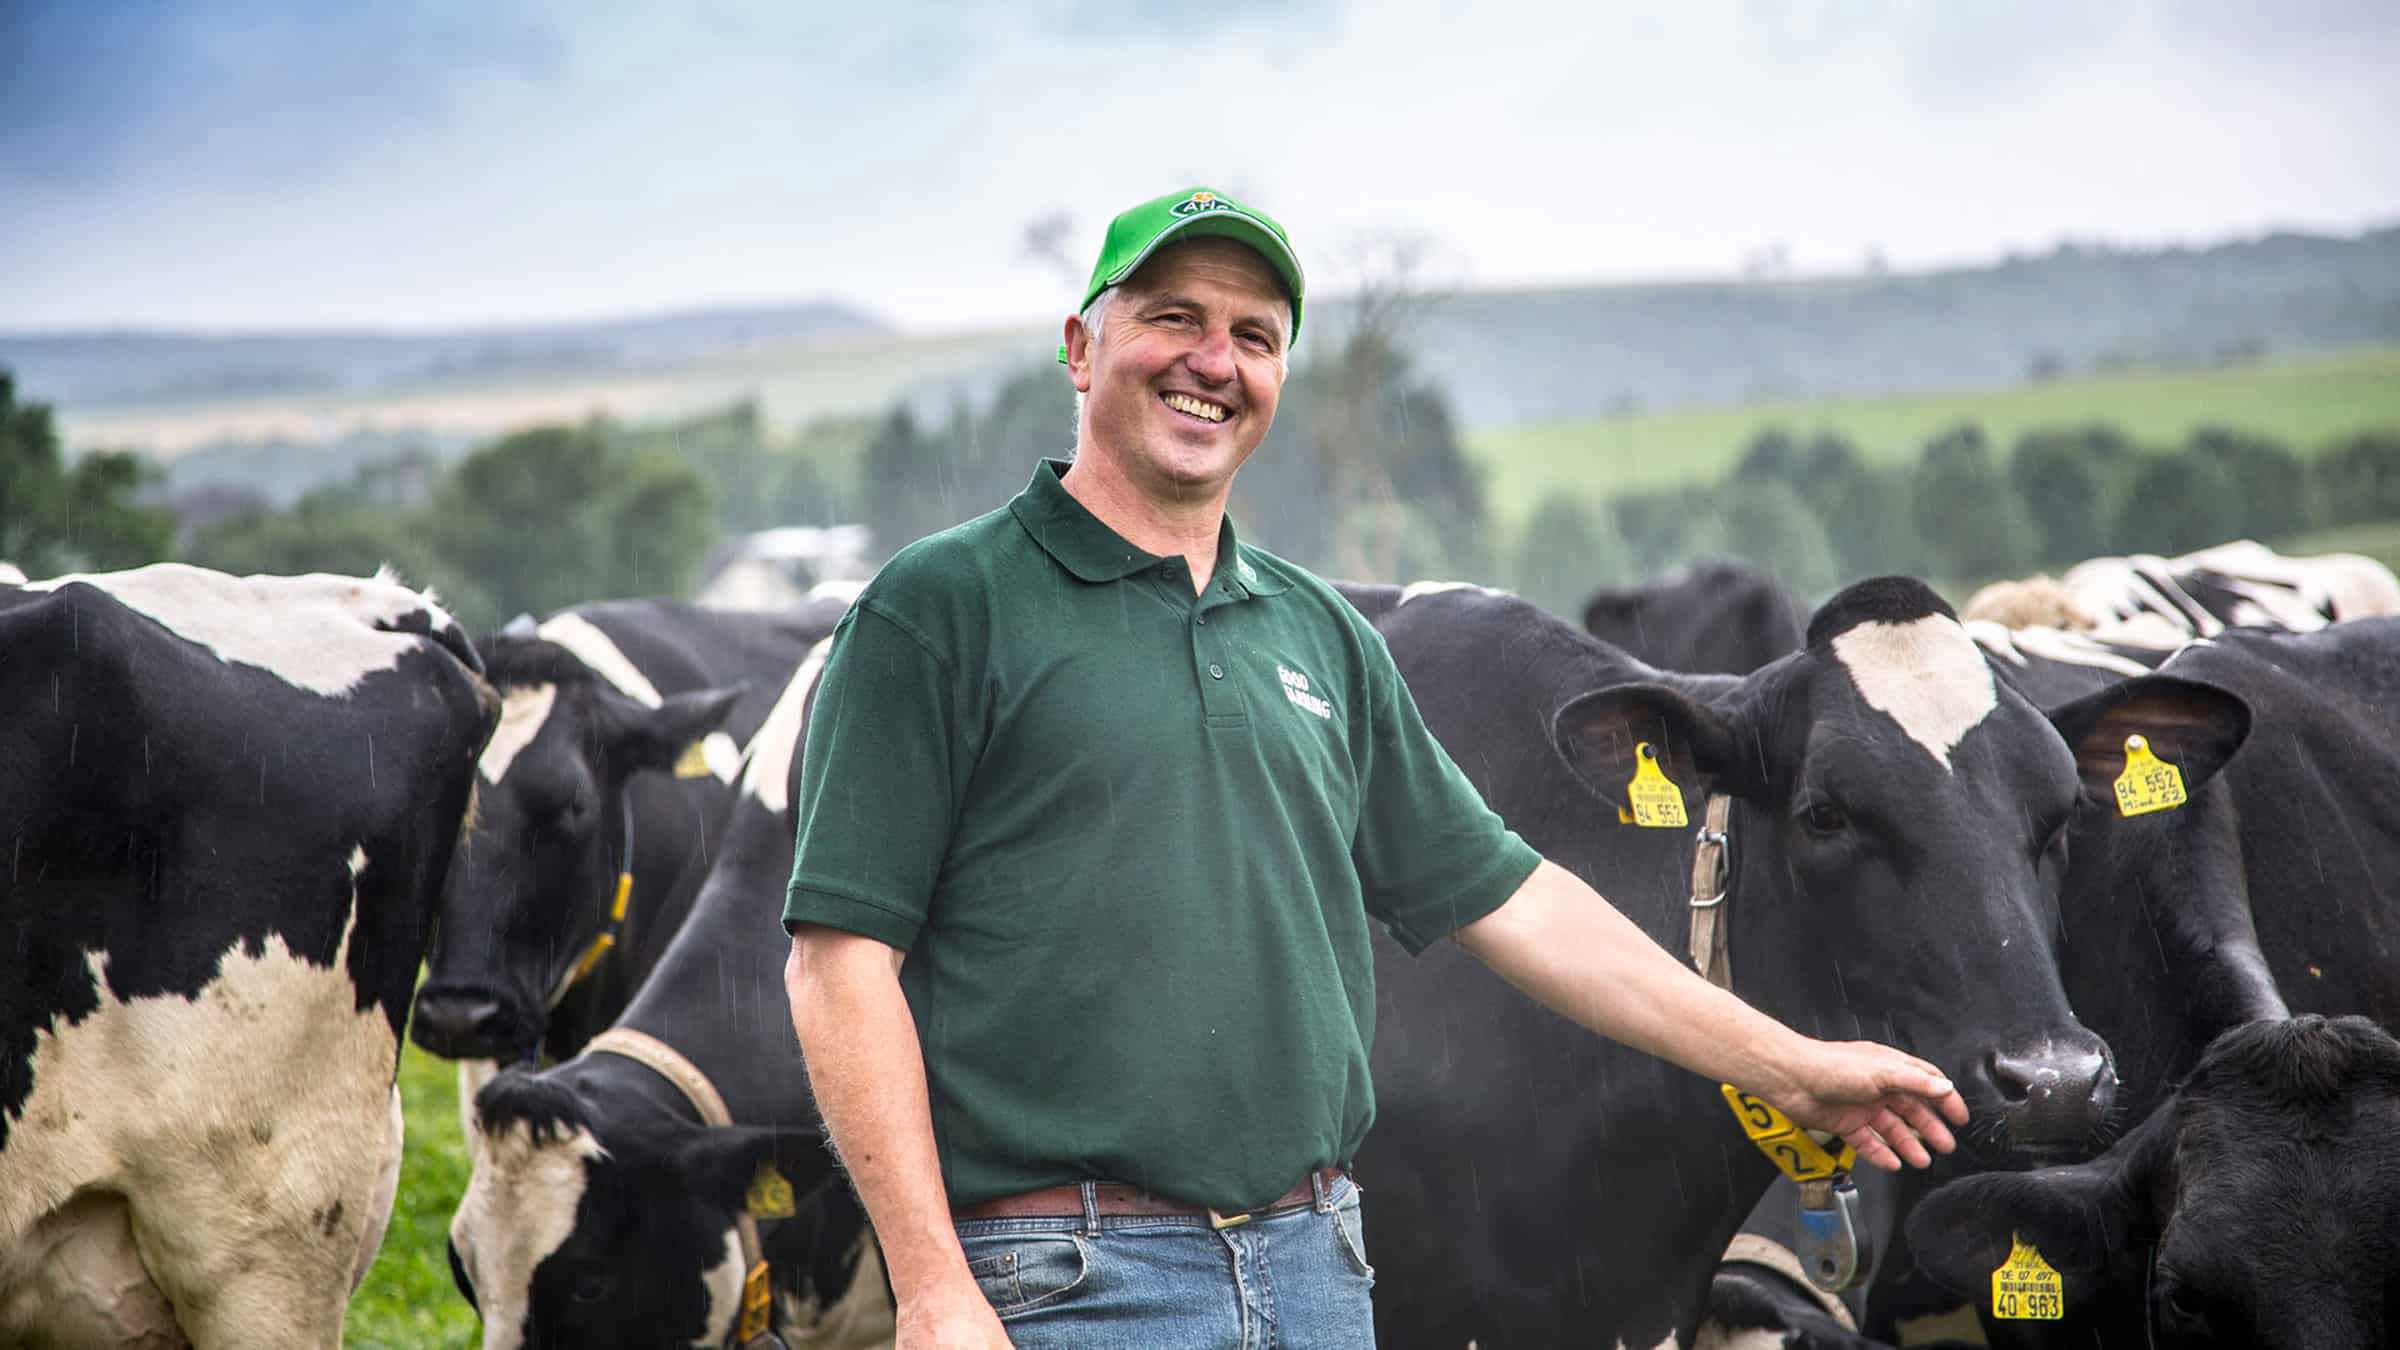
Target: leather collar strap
(1754, 1250)
(752, 1326)
(1711, 942)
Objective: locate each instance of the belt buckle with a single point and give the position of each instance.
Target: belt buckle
(1221, 1222)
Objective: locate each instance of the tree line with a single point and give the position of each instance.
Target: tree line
(1364, 475)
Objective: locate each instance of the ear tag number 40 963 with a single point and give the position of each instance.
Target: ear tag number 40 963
(1657, 803)
(2027, 1288)
(2148, 783)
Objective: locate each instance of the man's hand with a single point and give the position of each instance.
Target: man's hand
(1890, 1106)
(949, 1316)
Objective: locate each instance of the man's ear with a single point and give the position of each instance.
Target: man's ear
(2090, 1222)
(2195, 727)
(1076, 353)
(1598, 733)
(656, 738)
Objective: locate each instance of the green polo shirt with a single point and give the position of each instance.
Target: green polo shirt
(1130, 839)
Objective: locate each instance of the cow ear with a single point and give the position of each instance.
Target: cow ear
(657, 738)
(2195, 727)
(1597, 734)
(729, 1164)
(2089, 1221)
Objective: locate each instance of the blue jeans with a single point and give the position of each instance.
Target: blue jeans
(1297, 1279)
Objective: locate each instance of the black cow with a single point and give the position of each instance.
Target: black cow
(2288, 908)
(1718, 616)
(599, 703)
(1897, 847)
(602, 1212)
(230, 803)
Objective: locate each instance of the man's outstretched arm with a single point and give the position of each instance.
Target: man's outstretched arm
(1559, 942)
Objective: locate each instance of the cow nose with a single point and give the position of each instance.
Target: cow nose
(459, 1025)
(2055, 1094)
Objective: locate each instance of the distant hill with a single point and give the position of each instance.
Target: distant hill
(1513, 357)
(133, 367)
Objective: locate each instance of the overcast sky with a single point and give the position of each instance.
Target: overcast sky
(411, 163)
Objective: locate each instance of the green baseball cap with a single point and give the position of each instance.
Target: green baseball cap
(1192, 214)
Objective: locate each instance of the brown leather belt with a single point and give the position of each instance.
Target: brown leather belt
(1116, 1198)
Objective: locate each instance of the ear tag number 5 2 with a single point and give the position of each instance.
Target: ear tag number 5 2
(1657, 803)
(2148, 783)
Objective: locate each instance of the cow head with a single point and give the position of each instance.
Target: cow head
(1899, 850)
(2253, 1209)
(534, 884)
(601, 1218)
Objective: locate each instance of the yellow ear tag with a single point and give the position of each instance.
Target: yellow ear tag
(769, 1196)
(2148, 783)
(1794, 1151)
(1657, 802)
(2025, 1288)
(758, 1305)
(692, 763)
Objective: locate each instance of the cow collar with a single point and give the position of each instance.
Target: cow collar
(605, 941)
(751, 1325)
(1711, 940)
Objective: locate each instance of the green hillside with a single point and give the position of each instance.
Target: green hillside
(2304, 402)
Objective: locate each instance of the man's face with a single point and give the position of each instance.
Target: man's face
(1182, 384)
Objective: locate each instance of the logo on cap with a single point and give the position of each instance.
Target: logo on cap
(1201, 201)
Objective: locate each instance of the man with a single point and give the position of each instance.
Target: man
(1096, 805)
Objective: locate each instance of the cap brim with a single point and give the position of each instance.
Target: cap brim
(1240, 227)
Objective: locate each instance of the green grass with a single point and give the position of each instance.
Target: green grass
(2307, 403)
(408, 1302)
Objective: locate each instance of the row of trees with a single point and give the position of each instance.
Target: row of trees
(1818, 513)
(1364, 475)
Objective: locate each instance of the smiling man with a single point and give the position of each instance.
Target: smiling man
(1097, 806)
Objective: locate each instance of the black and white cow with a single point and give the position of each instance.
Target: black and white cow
(2147, 600)
(1896, 854)
(230, 803)
(1719, 616)
(602, 1212)
(599, 705)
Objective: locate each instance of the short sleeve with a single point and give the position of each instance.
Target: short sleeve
(1431, 856)
(881, 775)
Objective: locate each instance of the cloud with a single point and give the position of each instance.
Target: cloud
(258, 93)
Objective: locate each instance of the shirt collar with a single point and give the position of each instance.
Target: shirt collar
(1087, 547)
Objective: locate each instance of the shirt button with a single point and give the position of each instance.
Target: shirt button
(1201, 620)
(1215, 671)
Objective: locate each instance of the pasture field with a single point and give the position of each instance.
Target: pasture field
(2308, 403)
(408, 1301)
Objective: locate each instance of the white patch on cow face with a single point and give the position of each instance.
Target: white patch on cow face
(256, 1115)
(723, 756)
(600, 651)
(768, 776)
(315, 632)
(523, 711)
(1926, 674)
(722, 1283)
(519, 1208)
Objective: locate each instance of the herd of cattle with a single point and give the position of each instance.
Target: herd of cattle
(243, 813)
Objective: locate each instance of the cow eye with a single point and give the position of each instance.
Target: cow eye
(593, 1285)
(1826, 818)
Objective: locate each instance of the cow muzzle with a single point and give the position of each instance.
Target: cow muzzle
(466, 1024)
(2053, 1096)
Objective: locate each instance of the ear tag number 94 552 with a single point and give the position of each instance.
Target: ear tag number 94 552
(2148, 783)
(1657, 803)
